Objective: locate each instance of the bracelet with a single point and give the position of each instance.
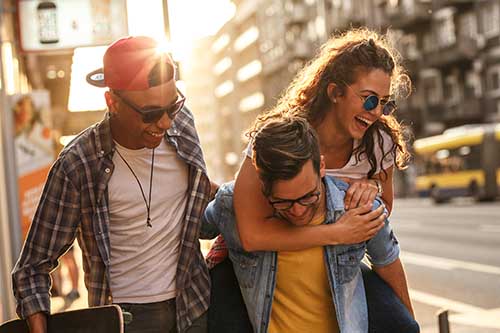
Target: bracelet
(380, 190)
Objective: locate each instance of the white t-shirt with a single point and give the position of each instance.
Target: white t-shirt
(143, 259)
(362, 167)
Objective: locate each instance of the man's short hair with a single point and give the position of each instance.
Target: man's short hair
(281, 147)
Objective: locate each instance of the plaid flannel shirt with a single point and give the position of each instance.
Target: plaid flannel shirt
(218, 252)
(74, 204)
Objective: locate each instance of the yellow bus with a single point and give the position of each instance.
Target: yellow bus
(463, 161)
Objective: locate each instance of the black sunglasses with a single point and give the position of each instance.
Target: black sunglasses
(372, 101)
(154, 114)
(306, 200)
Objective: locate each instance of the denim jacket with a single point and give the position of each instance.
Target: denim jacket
(256, 271)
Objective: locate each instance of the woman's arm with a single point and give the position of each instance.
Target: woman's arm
(387, 187)
(259, 232)
(363, 191)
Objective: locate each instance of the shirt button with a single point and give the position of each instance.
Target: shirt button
(107, 170)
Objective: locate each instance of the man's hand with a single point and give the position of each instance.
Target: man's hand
(360, 192)
(38, 323)
(359, 224)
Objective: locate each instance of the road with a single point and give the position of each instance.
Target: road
(451, 254)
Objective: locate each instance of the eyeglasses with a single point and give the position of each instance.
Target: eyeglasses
(307, 200)
(154, 114)
(372, 101)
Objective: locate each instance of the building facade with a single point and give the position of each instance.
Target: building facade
(451, 49)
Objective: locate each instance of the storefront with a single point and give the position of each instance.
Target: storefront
(13, 80)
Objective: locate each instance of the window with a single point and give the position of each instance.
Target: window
(252, 102)
(472, 85)
(249, 70)
(451, 90)
(224, 88)
(409, 46)
(222, 66)
(468, 25)
(429, 42)
(220, 43)
(445, 28)
(246, 38)
(431, 80)
(493, 79)
(490, 19)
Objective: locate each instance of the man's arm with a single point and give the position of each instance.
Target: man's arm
(52, 232)
(37, 323)
(394, 275)
(209, 228)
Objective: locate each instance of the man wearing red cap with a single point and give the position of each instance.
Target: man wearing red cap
(131, 189)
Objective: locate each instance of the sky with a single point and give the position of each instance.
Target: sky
(189, 20)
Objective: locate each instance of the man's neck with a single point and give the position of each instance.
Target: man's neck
(118, 136)
(321, 211)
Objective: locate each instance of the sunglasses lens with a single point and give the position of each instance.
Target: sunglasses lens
(284, 205)
(389, 108)
(370, 103)
(152, 116)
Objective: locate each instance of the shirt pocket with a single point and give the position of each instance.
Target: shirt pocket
(348, 263)
(245, 267)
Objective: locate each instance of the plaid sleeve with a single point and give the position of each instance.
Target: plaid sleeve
(218, 252)
(52, 232)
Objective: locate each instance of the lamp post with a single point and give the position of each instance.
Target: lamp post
(10, 227)
(166, 19)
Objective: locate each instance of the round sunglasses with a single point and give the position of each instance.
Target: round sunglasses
(371, 102)
(154, 114)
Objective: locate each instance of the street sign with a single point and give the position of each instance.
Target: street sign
(61, 25)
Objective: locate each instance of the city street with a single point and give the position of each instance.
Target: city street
(451, 255)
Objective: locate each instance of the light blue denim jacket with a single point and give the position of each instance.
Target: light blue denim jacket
(256, 271)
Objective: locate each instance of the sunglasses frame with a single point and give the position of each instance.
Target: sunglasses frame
(291, 202)
(153, 115)
(385, 105)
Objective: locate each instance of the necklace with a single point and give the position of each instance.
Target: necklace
(148, 202)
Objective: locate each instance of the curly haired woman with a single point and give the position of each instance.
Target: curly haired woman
(347, 93)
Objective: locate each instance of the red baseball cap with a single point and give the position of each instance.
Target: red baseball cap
(133, 63)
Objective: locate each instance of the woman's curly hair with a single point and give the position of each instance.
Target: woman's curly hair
(339, 61)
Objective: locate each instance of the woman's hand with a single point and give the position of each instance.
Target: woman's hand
(360, 192)
(359, 224)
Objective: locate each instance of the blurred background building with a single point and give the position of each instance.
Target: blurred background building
(450, 48)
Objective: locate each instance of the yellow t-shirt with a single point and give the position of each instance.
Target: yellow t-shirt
(302, 300)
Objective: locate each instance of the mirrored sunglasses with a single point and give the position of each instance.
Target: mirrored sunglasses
(372, 101)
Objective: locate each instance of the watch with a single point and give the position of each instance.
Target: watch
(380, 190)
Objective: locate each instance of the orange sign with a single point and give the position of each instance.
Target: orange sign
(30, 190)
(34, 150)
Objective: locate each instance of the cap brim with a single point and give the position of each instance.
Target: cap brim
(96, 78)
